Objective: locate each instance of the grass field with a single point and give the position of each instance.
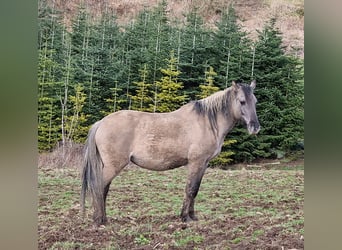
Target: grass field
(239, 209)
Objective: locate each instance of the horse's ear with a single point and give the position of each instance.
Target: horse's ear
(253, 84)
(235, 86)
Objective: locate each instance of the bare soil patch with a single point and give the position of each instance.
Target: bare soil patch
(239, 209)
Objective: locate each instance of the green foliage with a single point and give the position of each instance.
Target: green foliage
(146, 41)
(48, 123)
(232, 49)
(113, 102)
(75, 122)
(94, 67)
(208, 88)
(168, 95)
(225, 157)
(47, 128)
(280, 91)
(143, 98)
(249, 147)
(194, 51)
(141, 240)
(280, 105)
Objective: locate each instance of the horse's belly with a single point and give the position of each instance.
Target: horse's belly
(159, 149)
(158, 162)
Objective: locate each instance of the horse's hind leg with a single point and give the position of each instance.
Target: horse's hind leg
(105, 193)
(99, 215)
(109, 173)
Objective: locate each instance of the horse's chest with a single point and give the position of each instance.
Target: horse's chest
(217, 149)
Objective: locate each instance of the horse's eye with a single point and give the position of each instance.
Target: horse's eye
(242, 102)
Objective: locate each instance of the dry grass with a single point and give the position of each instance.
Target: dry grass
(70, 155)
(253, 13)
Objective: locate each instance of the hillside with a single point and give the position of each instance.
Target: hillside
(252, 13)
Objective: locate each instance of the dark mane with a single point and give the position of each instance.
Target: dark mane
(213, 105)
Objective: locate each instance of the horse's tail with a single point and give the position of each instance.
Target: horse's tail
(92, 178)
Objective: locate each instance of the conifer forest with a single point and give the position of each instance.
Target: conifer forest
(94, 66)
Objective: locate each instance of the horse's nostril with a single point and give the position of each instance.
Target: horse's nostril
(253, 127)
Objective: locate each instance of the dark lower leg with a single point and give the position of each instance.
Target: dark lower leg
(105, 193)
(188, 210)
(192, 210)
(185, 211)
(99, 216)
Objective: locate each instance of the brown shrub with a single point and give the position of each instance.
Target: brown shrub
(69, 155)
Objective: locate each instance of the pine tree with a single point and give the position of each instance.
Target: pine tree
(208, 87)
(159, 38)
(147, 41)
(195, 51)
(85, 42)
(64, 90)
(109, 60)
(81, 46)
(49, 35)
(168, 96)
(114, 102)
(232, 50)
(280, 100)
(47, 128)
(75, 127)
(280, 92)
(143, 97)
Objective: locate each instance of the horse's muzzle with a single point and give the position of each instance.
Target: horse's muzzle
(253, 128)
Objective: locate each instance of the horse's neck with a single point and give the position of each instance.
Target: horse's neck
(224, 126)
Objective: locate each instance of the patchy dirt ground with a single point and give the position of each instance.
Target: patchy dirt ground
(238, 209)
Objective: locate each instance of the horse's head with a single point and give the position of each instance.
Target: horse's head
(244, 106)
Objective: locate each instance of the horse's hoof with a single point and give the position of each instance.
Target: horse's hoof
(193, 217)
(188, 219)
(100, 221)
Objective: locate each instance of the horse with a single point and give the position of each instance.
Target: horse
(190, 136)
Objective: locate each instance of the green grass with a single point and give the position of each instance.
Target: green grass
(236, 209)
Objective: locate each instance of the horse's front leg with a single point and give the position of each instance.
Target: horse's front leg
(195, 176)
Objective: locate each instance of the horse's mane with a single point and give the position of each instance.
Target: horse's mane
(213, 105)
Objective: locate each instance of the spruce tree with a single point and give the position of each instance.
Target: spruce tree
(143, 97)
(147, 41)
(64, 87)
(109, 67)
(159, 38)
(208, 87)
(50, 35)
(75, 120)
(168, 91)
(195, 51)
(81, 50)
(114, 103)
(231, 50)
(280, 100)
(48, 127)
(280, 92)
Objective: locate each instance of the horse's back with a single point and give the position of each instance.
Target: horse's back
(144, 121)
